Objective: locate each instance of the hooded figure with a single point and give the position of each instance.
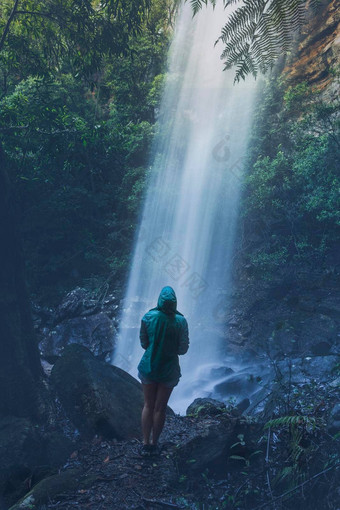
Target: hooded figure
(163, 335)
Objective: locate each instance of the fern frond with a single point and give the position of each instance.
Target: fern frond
(290, 420)
(235, 43)
(286, 17)
(245, 66)
(244, 16)
(230, 2)
(196, 5)
(261, 29)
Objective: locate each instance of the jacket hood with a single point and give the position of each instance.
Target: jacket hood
(167, 301)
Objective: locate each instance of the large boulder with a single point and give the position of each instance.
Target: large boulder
(215, 441)
(98, 398)
(208, 443)
(26, 448)
(205, 407)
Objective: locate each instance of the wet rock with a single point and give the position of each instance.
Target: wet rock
(80, 302)
(293, 319)
(258, 400)
(334, 420)
(335, 383)
(249, 355)
(315, 330)
(80, 318)
(220, 372)
(209, 444)
(308, 368)
(98, 398)
(243, 384)
(72, 305)
(205, 407)
(47, 367)
(243, 405)
(96, 332)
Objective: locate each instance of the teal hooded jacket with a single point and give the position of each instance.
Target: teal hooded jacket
(164, 335)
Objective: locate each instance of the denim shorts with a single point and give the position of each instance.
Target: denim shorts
(168, 384)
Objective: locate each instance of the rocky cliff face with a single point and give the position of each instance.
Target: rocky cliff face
(318, 54)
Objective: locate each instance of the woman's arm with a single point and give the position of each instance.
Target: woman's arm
(143, 335)
(183, 345)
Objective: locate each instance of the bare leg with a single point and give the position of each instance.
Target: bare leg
(162, 397)
(150, 391)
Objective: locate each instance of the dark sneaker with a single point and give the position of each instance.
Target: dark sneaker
(155, 449)
(146, 450)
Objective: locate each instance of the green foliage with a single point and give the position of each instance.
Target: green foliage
(245, 458)
(291, 420)
(258, 32)
(70, 36)
(77, 139)
(300, 450)
(291, 199)
(294, 95)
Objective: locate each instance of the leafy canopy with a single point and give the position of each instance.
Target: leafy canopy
(76, 126)
(65, 35)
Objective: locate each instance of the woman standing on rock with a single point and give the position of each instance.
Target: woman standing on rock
(163, 335)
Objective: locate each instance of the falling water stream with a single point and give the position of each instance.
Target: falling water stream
(187, 227)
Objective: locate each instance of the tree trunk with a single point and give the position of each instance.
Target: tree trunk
(20, 368)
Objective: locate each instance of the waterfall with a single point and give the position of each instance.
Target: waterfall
(187, 228)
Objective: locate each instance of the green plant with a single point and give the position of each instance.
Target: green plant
(76, 130)
(258, 31)
(306, 421)
(245, 459)
(299, 450)
(290, 195)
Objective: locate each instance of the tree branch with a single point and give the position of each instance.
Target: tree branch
(8, 24)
